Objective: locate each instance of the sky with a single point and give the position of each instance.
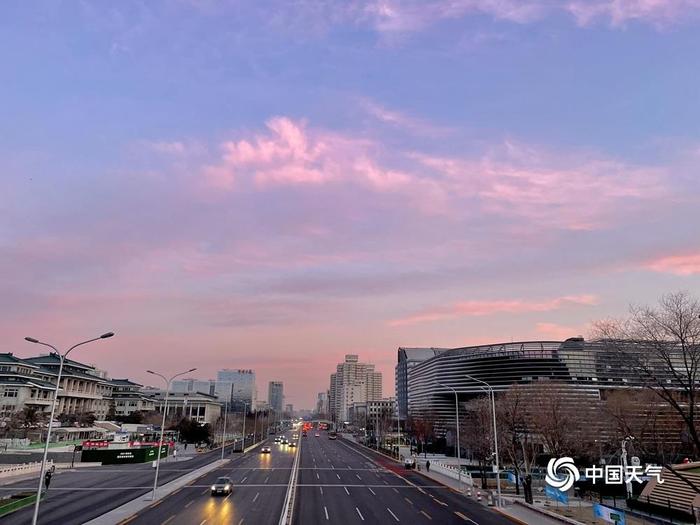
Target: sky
(275, 184)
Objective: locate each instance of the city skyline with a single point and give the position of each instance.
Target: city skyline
(256, 187)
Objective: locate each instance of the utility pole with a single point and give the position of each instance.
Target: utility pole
(223, 432)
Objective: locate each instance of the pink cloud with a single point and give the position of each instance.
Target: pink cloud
(556, 331)
(483, 308)
(688, 264)
(618, 12)
(401, 120)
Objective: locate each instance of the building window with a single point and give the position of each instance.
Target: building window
(10, 392)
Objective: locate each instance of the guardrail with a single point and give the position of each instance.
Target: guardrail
(25, 468)
(451, 471)
(288, 506)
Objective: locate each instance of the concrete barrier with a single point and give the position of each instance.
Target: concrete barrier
(451, 471)
(9, 471)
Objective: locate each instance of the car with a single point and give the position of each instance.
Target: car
(222, 486)
(332, 435)
(265, 450)
(409, 462)
(304, 434)
(293, 444)
(285, 441)
(278, 440)
(317, 434)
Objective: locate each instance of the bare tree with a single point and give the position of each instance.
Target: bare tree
(661, 348)
(476, 431)
(514, 432)
(422, 428)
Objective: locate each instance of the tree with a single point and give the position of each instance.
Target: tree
(660, 346)
(477, 434)
(192, 431)
(514, 432)
(422, 429)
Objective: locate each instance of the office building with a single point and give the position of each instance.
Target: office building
(275, 395)
(237, 386)
(407, 359)
(190, 384)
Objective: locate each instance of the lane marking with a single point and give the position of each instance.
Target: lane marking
(171, 518)
(346, 491)
(394, 489)
(358, 476)
(240, 522)
(338, 476)
(439, 502)
(358, 513)
(190, 503)
(426, 515)
(321, 489)
(392, 514)
(326, 511)
(409, 501)
(243, 480)
(465, 518)
(317, 476)
(256, 497)
(203, 522)
(373, 493)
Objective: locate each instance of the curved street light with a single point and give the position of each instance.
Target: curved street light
(165, 412)
(489, 389)
(61, 358)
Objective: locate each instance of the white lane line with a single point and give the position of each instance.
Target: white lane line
(358, 476)
(240, 522)
(439, 502)
(426, 515)
(360, 514)
(346, 491)
(338, 476)
(267, 479)
(409, 501)
(190, 503)
(326, 511)
(392, 514)
(373, 493)
(465, 518)
(256, 496)
(203, 522)
(243, 480)
(317, 476)
(321, 489)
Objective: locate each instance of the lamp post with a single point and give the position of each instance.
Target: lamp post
(223, 432)
(61, 358)
(459, 452)
(255, 426)
(162, 425)
(245, 414)
(489, 389)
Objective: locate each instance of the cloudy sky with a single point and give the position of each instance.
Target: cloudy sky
(274, 184)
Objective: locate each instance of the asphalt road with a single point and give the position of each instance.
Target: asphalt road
(80, 495)
(341, 482)
(259, 487)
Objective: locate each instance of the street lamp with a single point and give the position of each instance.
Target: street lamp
(61, 358)
(223, 432)
(459, 452)
(165, 412)
(489, 389)
(245, 414)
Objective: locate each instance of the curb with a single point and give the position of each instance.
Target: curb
(507, 516)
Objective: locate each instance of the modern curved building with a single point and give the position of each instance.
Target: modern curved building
(585, 372)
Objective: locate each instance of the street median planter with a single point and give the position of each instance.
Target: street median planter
(16, 502)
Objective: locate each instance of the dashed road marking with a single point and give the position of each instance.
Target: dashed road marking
(408, 500)
(373, 493)
(346, 491)
(190, 503)
(392, 514)
(360, 514)
(326, 511)
(426, 515)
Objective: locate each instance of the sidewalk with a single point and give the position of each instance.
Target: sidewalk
(513, 511)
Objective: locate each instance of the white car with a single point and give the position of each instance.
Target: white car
(265, 450)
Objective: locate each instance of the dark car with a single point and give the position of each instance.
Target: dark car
(222, 486)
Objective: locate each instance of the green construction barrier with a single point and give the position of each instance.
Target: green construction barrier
(123, 455)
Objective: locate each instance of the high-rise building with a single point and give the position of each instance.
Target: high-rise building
(407, 359)
(236, 386)
(289, 409)
(322, 403)
(352, 382)
(275, 395)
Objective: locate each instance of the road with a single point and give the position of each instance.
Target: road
(78, 496)
(259, 487)
(342, 482)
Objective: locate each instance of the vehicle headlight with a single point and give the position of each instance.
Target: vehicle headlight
(227, 487)
(213, 487)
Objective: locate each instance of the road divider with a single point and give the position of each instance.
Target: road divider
(288, 506)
